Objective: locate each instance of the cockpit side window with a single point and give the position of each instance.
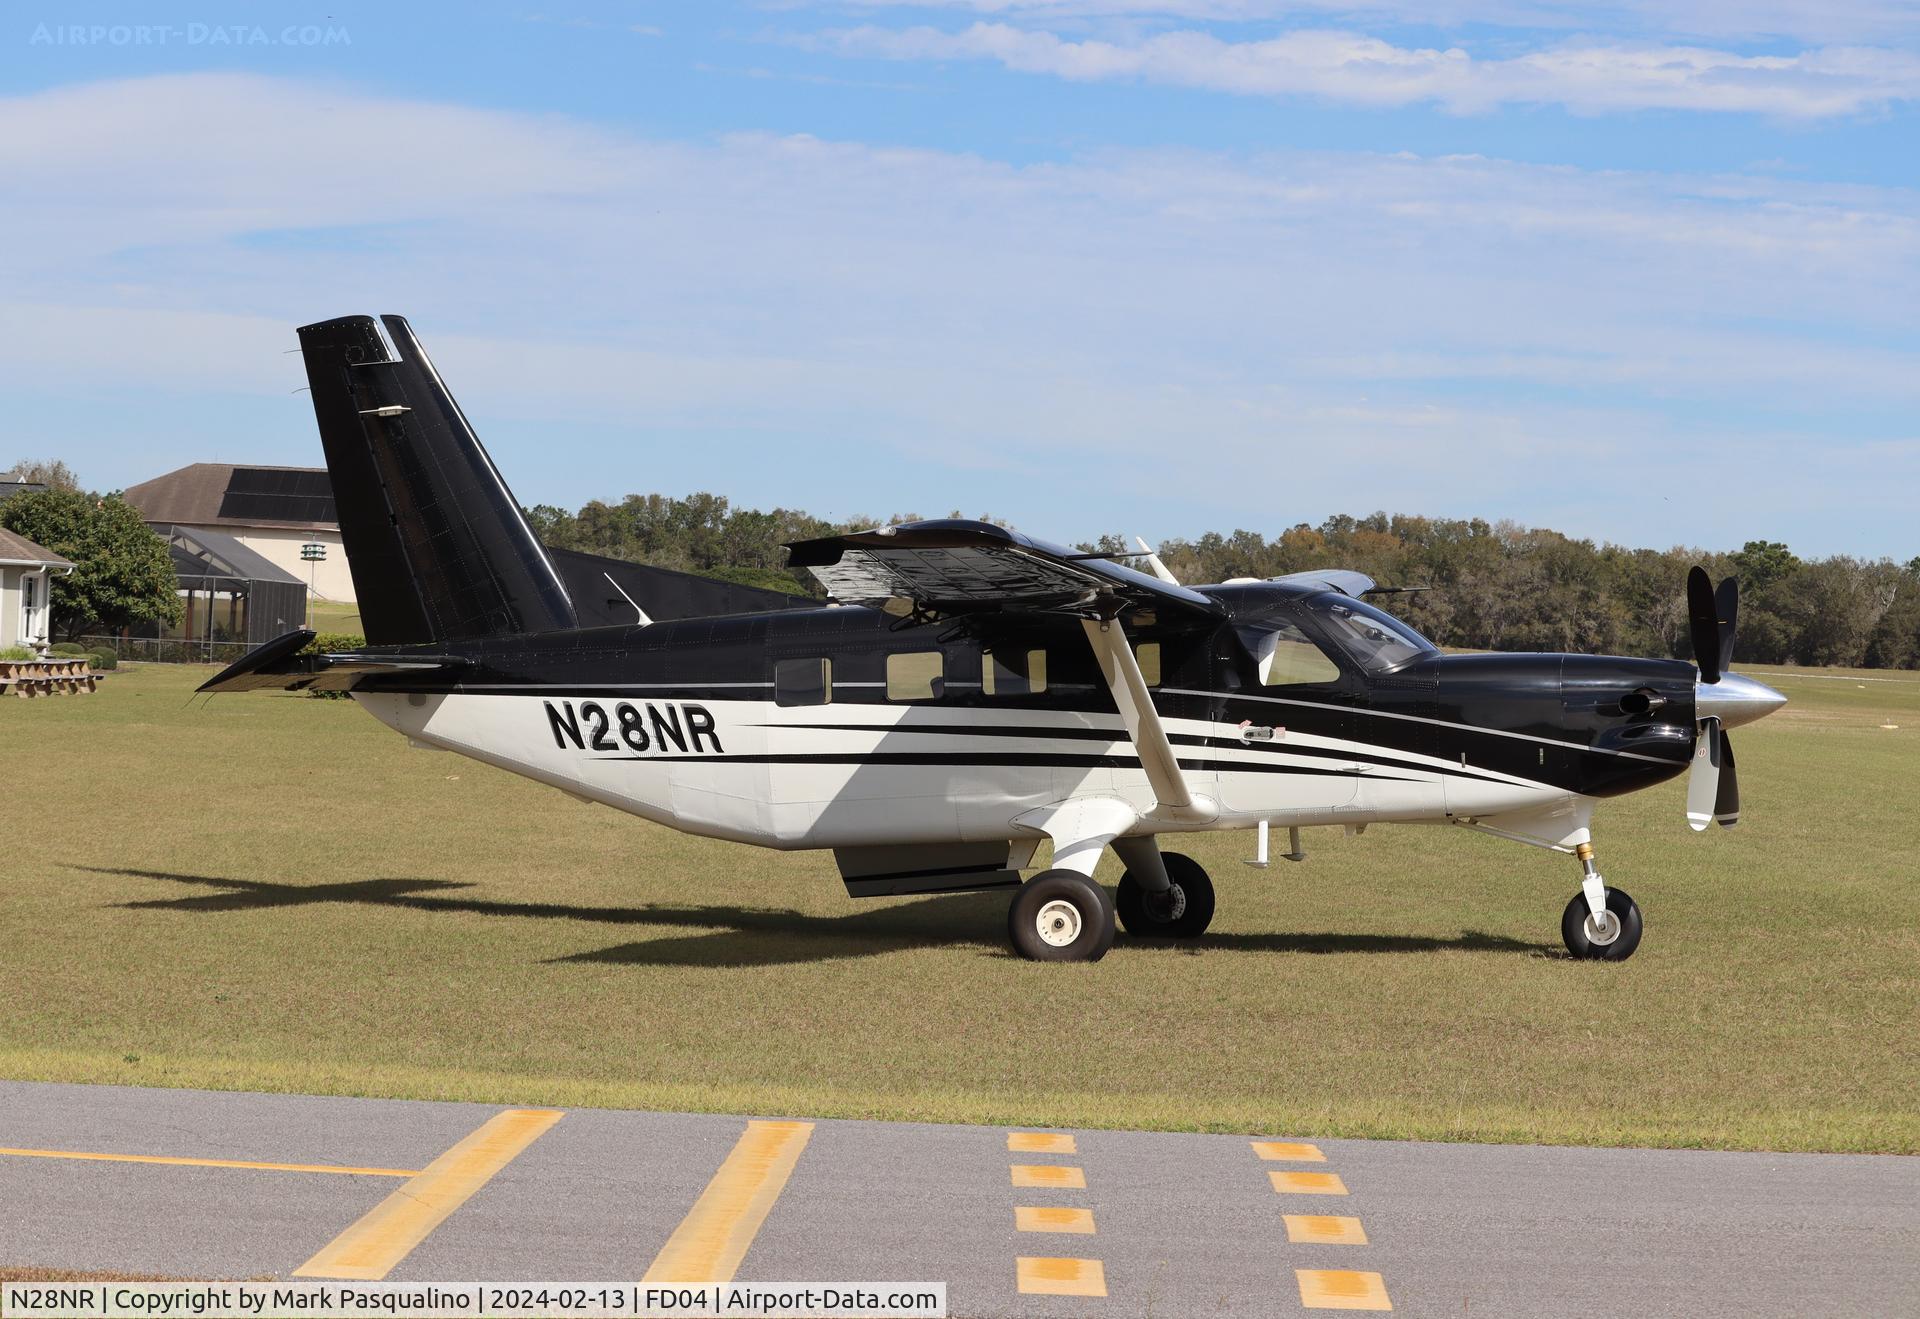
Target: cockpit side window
(1377, 641)
(1287, 658)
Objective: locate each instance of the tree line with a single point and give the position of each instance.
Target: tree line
(1492, 585)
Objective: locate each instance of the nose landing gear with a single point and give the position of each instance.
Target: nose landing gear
(1600, 923)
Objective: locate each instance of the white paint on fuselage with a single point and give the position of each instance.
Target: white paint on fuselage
(762, 788)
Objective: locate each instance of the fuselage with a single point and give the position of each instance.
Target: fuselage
(849, 726)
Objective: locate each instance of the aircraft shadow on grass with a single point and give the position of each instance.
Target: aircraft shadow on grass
(733, 936)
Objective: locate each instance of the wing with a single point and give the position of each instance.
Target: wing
(954, 566)
(279, 665)
(1344, 580)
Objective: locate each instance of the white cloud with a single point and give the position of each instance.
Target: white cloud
(1352, 68)
(766, 314)
(1821, 21)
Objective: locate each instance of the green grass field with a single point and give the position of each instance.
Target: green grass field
(272, 892)
(333, 616)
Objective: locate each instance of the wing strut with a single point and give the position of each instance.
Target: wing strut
(1122, 672)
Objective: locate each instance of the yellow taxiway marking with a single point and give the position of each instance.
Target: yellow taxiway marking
(1028, 1218)
(1049, 1174)
(1324, 1229)
(1307, 1183)
(1288, 1150)
(1342, 1289)
(1043, 1276)
(713, 1238)
(212, 1163)
(389, 1231)
(1041, 1142)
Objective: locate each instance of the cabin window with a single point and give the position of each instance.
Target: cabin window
(802, 681)
(1377, 640)
(918, 675)
(1014, 672)
(1147, 653)
(1289, 659)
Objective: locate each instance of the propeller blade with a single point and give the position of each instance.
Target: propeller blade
(1703, 781)
(1703, 615)
(1726, 608)
(1726, 802)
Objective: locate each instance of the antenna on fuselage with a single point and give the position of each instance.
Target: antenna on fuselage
(644, 620)
(1154, 566)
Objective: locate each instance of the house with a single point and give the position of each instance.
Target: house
(26, 575)
(279, 513)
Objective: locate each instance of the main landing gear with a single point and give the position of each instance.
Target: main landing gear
(1063, 916)
(1181, 910)
(1601, 923)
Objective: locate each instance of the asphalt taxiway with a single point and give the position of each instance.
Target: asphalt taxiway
(1016, 1222)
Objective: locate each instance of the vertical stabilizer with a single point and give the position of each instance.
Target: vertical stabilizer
(436, 542)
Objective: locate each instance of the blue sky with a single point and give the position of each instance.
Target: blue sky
(1641, 271)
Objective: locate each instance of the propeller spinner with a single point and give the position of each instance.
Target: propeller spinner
(1720, 700)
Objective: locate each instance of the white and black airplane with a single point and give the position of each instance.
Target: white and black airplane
(972, 693)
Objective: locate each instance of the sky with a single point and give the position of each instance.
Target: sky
(1645, 271)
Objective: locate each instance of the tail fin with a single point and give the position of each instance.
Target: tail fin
(436, 542)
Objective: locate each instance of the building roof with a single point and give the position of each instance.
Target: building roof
(231, 495)
(213, 555)
(18, 549)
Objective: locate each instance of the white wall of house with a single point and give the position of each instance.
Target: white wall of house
(329, 578)
(17, 627)
(10, 606)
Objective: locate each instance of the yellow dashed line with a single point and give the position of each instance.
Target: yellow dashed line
(1288, 1150)
(172, 1161)
(1041, 1142)
(1341, 1289)
(1307, 1183)
(1043, 1276)
(1027, 1218)
(1049, 1174)
(713, 1238)
(390, 1230)
(1324, 1229)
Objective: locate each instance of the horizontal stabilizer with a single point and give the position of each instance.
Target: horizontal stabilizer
(280, 665)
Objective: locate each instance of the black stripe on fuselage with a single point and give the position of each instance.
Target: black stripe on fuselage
(1039, 733)
(1036, 759)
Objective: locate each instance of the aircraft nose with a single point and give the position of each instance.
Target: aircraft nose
(1736, 699)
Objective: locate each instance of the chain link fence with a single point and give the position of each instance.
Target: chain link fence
(168, 651)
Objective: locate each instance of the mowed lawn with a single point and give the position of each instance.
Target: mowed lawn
(274, 892)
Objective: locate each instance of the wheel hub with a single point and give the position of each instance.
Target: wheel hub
(1603, 929)
(1058, 923)
(1167, 907)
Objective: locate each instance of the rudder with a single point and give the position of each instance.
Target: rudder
(435, 541)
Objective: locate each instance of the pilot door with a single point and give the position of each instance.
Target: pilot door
(1285, 721)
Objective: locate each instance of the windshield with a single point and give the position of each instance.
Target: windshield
(1377, 641)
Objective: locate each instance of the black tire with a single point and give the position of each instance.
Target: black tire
(1183, 912)
(1579, 938)
(1061, 916)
